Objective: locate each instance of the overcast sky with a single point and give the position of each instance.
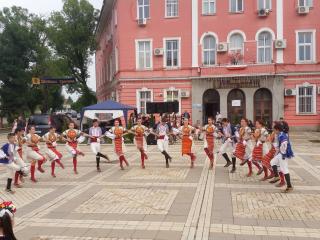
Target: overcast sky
(45, 7)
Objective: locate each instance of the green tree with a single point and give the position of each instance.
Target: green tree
(72, 35)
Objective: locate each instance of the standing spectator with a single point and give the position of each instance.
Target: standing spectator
(21, 124)
(15, 125)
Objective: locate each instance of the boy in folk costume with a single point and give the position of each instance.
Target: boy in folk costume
(95, 133)
(162, 131)
(284, 153)
(71, 135)
(187, 139)
(139, 131)
(209, 131)
(20, 141)
(259, 136)
(242, 150)
(117, 137)
(53, 154)
(227, 133)
(33, 152)
(7, 158)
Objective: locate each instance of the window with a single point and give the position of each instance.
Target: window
(208, 7)
(236, 48)
(209, 50)
(172, 95)
(305, 46)
(305, 3)
(143, 97)
(236, 6)
(264, 4)
(172, 7)
(143, 9)
(143, 54)
(306, 99)
(265, 47)
(172, 53)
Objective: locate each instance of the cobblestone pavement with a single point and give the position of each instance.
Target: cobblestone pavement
(175, 203)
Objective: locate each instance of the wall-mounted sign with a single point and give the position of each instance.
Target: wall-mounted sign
(231, 83)
(197, 105)
(236, 103)
(49, 81)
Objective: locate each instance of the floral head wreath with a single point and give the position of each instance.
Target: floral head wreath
(7, 207)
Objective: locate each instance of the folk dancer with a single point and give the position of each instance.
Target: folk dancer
(7, 211)
(187, 140)
(33, 152)
(242, 150)
(7, 158)
(209, 131)
(282, 157)
(53, 154)
(118, 132)
(273, 140)
(71, 135)
(259, 137)
(95, 133)
(139, 131)
(162, 132)
(20, 141)
(229, 139)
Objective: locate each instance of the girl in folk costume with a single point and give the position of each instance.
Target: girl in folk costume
(95, 133)
(72, 144)
(7, 211)
(227, 133)
(20, 141)
(259, 136)
(273, 140)
(187, 139)
(284, 153)
(242, 150)
(139, 131)
(33, 152)
(209, 131)
(162, 131)
(53, 154)
(118, 132)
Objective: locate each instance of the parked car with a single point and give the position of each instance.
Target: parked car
(42, 122)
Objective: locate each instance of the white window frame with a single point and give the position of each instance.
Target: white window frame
(214, 9)
(271, 47)
(306, 3)
(165, 53)
(314, 98)
(265, 4)
(237, 11)
(138, 91)
(313, 46)
(143, 6)
(166, 10)
(165, 96)
(202, 49)
(137, 53)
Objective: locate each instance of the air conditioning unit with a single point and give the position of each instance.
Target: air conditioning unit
(222, 47)
(158, 51)
(142, 22)
(280, 43)
(185, 94)
(263, 12)
(290, 92)
(303, 9)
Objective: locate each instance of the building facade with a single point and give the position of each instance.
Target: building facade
(252, 58)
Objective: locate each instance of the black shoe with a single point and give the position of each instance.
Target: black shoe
(228, 164)
(233, 170)
(275, 179)
(244, 162)
(260, 171)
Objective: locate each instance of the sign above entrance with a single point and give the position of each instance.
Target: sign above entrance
(236, 103)
(236, 83)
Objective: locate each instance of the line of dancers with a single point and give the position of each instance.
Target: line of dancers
(251, 148)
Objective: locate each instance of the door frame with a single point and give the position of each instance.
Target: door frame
(217, 95)
(254, 105)
(243, 103)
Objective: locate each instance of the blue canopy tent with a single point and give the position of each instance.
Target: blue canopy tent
(108, 106)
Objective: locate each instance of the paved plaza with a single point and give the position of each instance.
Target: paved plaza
(169, 204)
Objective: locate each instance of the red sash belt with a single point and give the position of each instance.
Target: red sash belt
(94, 139)
(161, 137)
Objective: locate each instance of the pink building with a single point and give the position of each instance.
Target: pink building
(253, 58)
